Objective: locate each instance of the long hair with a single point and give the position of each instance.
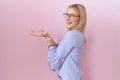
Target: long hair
(83, 18)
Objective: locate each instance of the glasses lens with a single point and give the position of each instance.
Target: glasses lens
(65, 15)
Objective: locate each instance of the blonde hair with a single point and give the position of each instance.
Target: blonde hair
(83, 18)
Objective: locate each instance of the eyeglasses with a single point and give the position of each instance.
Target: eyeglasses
(70, 15)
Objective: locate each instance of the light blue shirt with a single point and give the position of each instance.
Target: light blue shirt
(66, 57)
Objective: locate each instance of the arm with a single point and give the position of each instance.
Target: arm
(57, 55)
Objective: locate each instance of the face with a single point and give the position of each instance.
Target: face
(72, 18)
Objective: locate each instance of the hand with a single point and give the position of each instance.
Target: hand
(46, 35)
(40, 34)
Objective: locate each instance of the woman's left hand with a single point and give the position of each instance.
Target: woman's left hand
(40, 34)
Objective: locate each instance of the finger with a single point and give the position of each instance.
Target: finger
(45, 34)
(34, 33)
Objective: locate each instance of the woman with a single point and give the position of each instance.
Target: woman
(65, 57)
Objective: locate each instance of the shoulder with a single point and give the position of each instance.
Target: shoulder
(75, 35)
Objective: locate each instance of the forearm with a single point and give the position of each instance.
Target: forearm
(50, 41)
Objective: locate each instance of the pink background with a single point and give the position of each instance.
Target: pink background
(23, 57)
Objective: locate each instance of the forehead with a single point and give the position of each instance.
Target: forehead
(72, 10)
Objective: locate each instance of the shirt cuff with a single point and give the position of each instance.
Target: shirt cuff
(51, 46)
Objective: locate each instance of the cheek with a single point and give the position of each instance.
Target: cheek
(76, 21)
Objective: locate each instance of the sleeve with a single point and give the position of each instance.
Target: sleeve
(57, 55)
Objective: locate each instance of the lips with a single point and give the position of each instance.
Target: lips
(69, 23)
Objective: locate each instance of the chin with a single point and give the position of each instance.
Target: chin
(69, 26)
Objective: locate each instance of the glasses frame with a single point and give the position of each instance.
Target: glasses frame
(72, 15)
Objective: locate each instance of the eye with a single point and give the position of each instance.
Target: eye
(65, 14)
(71, 15)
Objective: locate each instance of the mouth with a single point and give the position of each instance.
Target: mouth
(68, 23)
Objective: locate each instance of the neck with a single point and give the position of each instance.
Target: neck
(69, 29)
